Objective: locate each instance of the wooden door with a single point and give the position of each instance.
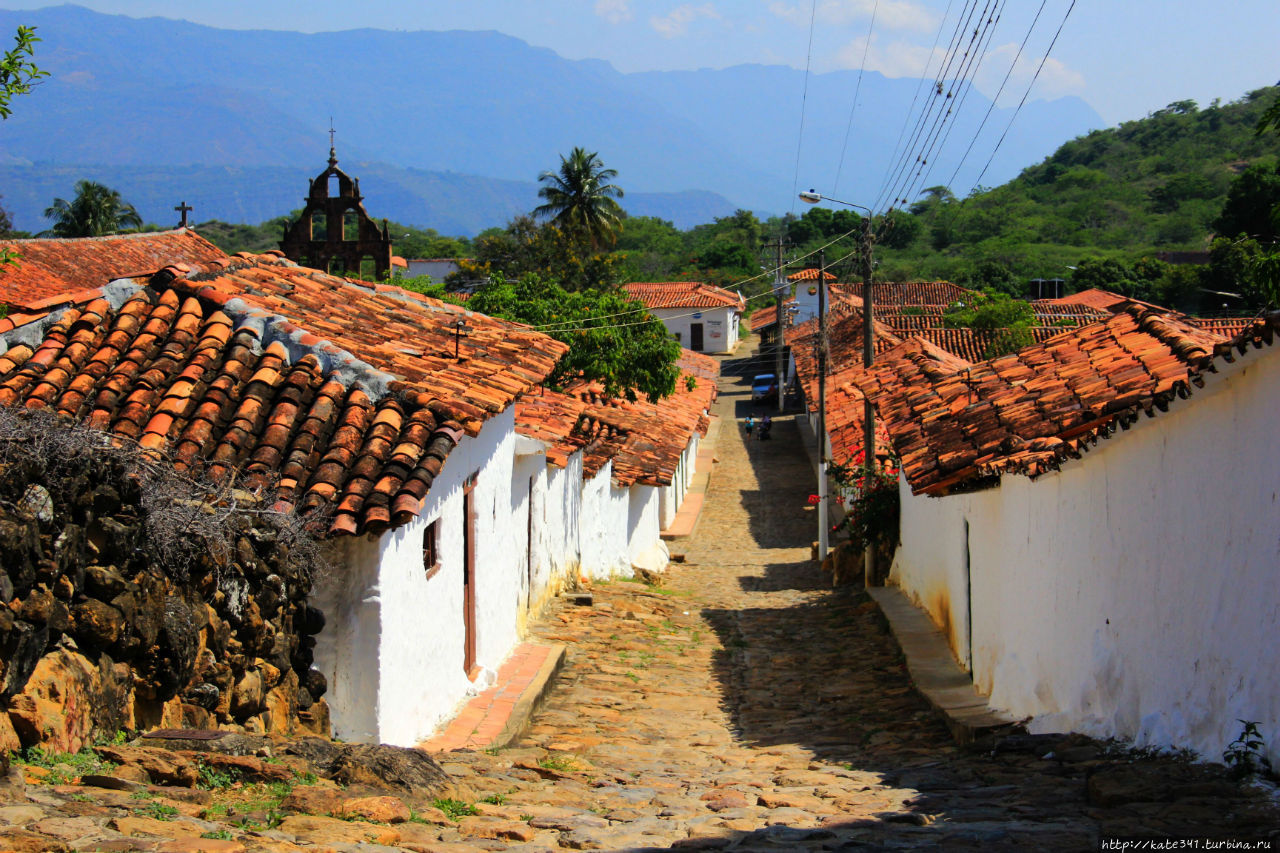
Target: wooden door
(695, 337)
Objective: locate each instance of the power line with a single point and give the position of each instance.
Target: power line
(939, 83)
(804, 100)
(1014, 118)
(965, 88)
(1017, 56)
(856, 91)
(967, 66)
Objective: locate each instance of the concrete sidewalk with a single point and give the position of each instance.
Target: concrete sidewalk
(686, 519)
(935, 671)
(497, 716)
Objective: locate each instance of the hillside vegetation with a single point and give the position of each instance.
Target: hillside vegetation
(1155, 184)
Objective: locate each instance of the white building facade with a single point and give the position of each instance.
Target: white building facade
(1133, 593)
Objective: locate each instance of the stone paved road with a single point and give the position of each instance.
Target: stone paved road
(746, 704)
(742, 704)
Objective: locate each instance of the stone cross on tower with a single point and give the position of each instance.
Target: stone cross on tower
(184, 209)
(333, 151)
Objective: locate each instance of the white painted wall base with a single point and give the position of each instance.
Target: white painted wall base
(1133, 593)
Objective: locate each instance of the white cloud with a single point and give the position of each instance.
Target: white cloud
(677, 22)
(890, 14)
(900, 58)
(1056, 79)
(893, 59)
(614, 11)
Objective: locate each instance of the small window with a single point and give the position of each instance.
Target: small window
(431, 549)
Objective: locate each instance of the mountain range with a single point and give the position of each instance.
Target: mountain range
(450, 129)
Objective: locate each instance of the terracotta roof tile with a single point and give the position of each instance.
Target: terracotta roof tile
(1027, 412)
(845, 348)
(910, 362)
(343, 396)
(682, 294)
(53, 272)
(643, 440)
(810, 274)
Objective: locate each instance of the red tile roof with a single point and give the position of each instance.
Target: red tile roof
(48, 272)
(900, 293)
(643, 440)
(845, 348)
(972, 344)
(910, 361)
(1228, 327)
(1094, 297)
(810, 274)
(682, 294)
(1028, 412)
(343, 396)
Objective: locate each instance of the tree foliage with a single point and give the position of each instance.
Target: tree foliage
(95, 211)
(18, 74)
(1011, 319)
(579, 199)
(525, 247)
(612, 339)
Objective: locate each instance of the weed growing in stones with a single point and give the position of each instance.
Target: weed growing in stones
(561, 763)
(211, 779)
(495, 799)
(1247, 755)
(64, 767)
(454, 809)
(158, 811)
(218, 835)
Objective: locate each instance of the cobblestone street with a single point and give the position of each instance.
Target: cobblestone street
(743, 703)
(740, 704)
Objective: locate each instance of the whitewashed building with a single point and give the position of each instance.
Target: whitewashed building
(1092, 524)
(702, 317)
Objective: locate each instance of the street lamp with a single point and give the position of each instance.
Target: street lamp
(868, 413)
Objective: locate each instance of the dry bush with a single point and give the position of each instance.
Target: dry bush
(188, 517)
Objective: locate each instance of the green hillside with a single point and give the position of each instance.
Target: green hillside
(1151, 185)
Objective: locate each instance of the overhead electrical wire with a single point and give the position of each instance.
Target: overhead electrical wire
(994, 100)
(946, 91)
(904, 158)
(857, 90)
(804, 100)
(965, 89)
(1030, 85)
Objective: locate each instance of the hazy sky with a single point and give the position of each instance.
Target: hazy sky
(1125, 58)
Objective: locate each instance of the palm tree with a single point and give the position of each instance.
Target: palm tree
(96, 210)
(580, 199)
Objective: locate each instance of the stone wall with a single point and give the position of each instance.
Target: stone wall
(134, 598)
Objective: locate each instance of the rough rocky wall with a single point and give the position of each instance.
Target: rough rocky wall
(136, 598)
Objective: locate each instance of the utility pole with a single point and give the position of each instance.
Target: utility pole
(779, 294)
(868, 411)
(823, 515)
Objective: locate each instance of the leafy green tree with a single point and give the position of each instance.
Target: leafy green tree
(525, 247)
(96, 210)
(17, 72)
(580, 200)
(6, 224)
(1011, 319)
(1252, 204)
(612, 339)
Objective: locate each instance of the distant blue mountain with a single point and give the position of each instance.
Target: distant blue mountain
(469, 119)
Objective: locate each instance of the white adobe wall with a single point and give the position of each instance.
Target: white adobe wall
(393, 644)
(671, 496)
(603, 526)
(806, 302)
(563, 514)
(719, 326)
(1133, 593)
(645, 547)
